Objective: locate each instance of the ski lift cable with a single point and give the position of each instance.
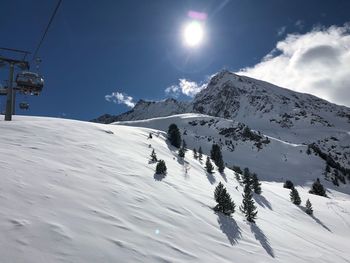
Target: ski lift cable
(47, 29)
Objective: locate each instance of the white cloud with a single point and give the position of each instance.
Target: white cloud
(281, 30)
(317, 62)
(186, 87)
(120, 98)
(299, 24)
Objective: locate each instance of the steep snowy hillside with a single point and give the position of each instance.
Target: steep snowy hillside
(272, 158)
(84, 192)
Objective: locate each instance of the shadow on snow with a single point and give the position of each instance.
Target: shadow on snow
(229, 227)
(262, 201)
(260, 236)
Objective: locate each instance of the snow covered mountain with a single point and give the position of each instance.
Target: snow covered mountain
(296, 120)
(75, 191)
(290, 116)
(247, 100)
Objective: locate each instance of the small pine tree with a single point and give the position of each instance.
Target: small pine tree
(256, 185)
(221, 165)
(294, 196)
(214, 152)
(328, 169)
(208, 166)
(237, 169)
(200, 154)
(308, 206)
(246, 178)
(224, 203)
(248, 206)
(174, 135)
(318, 189)
(288, 184)
(161, 167)
(154, 156)
(182, 152)
(195, 155)
(150, 136)
(216, 156)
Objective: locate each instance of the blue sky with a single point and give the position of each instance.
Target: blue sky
(95, 48)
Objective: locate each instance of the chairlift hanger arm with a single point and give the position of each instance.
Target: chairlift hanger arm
(21, 63)
(15, 50)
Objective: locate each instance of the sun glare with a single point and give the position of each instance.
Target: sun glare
(193, 33)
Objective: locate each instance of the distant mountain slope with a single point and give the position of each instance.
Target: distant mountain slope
(148, 109)
(274, 159)
(74, 191)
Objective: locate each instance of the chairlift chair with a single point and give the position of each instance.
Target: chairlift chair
(29, 82)
(24, 105)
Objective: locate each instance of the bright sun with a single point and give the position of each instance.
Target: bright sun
(193, 33)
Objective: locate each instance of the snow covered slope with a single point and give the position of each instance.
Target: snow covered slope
(83, 192)
(273, 159)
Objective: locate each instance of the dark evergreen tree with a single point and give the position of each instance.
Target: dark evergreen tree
(150, 136)
(248, 206)
(246, 178)
(174, 135)
(200, 153)
(221, 166)
(208, 166)
(237, 169)
(308, 206)
(195, 155)
(153, 156)
(224, 203)
(215, 152)
(216, 156)
(294, 196)
(317, 188)
(181, 152)
(256, 185)
(328, 169)
(161, 167)
(288, 184)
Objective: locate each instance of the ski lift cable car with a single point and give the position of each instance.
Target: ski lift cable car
(29, 82)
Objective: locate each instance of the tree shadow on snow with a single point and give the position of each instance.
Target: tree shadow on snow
(318, 221)
(262, 201)
(229, 227)
(260, 236)
(180, 160)
(224, 176)
(210, 177)
(159, 177)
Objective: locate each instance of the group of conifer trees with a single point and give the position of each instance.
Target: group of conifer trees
(225, 204)
(317, 188)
